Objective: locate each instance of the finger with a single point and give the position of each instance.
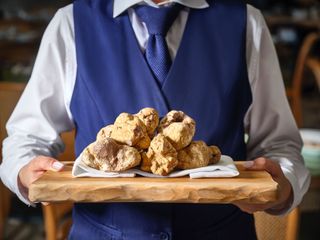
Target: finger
(251, 208)
(34, 176)
(36, 167)
(255, 207)
(262, 163)
(244, 208)
(247, 210)
(41, 164)
(45, 203)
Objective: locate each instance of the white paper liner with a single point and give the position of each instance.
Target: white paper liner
(224, 168)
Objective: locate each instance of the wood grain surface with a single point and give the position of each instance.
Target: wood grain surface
(249, 186)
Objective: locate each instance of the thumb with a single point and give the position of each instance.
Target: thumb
(262, 163)
(43, 163)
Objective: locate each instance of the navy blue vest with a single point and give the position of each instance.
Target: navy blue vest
(208, 80)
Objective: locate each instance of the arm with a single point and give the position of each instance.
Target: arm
(272, 131)
(41, 113)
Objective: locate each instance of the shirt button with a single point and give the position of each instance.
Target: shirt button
(164, 236)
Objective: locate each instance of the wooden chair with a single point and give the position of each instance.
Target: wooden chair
(314, 65)
(9, 95)
(270, 227)
(56, 216)
(304, 61)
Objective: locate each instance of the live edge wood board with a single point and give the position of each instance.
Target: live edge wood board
(249, 186)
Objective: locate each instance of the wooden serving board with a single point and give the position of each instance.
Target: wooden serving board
(249, 186)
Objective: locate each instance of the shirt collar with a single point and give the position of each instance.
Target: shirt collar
(119, 6)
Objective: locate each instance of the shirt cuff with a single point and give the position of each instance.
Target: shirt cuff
(296, 195)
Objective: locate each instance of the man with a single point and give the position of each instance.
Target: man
(99, 58)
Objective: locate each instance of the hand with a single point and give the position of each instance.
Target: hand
(285, 193)
(34, 169)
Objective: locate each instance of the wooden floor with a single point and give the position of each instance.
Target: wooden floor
(17, 229)
(24, 223)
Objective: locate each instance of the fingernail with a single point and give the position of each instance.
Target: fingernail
(57, 165)
(248, 164)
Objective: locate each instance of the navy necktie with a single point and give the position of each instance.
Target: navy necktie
(158, 21)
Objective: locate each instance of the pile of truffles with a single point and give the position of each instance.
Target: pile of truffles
(140, 140)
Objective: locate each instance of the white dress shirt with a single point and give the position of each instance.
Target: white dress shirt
(43, 111)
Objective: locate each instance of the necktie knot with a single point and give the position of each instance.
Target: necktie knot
(158, 20)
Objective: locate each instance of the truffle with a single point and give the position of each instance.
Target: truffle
(108, 155)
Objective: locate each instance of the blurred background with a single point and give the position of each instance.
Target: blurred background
(295, 28)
